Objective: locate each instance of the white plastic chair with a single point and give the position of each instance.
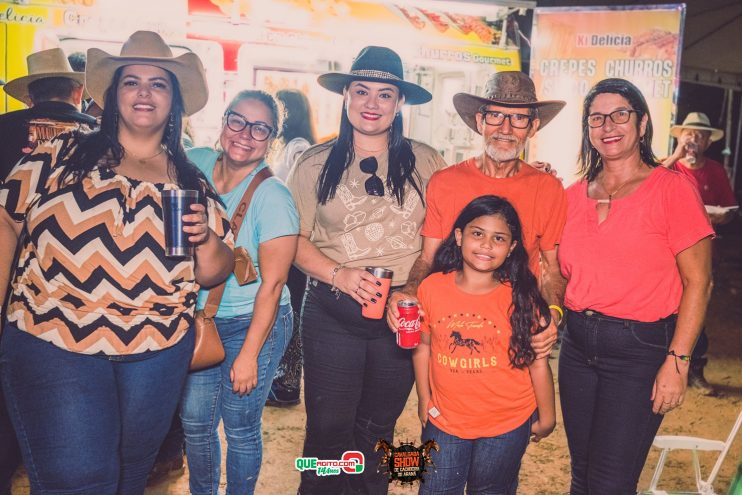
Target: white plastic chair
(694, 444)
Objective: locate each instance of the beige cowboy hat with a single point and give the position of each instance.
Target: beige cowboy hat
(42, 65)
(507, 89)
(700, 121)
(376, 64)
(148, 48)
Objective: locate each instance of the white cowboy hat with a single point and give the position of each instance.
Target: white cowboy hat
(42, 65)
(148, 48)
(700, 121)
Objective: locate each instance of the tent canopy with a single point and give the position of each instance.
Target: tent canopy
(711, 42)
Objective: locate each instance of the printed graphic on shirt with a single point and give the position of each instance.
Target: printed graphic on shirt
(374, 226)
(466, 342)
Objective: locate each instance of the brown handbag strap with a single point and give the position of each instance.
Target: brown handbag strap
(216, 293)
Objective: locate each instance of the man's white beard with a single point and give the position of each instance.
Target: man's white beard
(503, 155)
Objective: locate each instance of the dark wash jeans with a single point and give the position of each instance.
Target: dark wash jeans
(357, 381)
(607, 368)
(486, 465)
(10, 453)
(89, 424)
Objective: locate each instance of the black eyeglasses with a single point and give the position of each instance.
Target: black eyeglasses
(618, 117)
(374, 185)
(517, 120)
(237, 123)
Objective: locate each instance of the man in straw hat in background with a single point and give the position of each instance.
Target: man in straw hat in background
(506, 116)
(54, 92)
(694, 137)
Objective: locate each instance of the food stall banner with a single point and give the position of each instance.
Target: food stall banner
(574, 48)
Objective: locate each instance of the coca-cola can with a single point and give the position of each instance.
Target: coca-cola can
(408, 333)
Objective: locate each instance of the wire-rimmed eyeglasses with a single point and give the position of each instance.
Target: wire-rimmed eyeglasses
(374, 185)
(620, 116)
(517, 120)
(237, 123)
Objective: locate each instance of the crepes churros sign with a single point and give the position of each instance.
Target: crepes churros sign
(572, 49)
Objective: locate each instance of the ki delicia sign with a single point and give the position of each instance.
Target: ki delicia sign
(406, 463)
(351, 462)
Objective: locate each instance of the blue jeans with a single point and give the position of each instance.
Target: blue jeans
(487, 465)
(10, 453)
(89, 424)
(208, 398)
(356, 383)
(607, 368)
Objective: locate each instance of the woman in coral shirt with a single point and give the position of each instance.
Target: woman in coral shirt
(636, 254)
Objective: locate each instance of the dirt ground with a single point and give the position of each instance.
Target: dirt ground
(545, 468)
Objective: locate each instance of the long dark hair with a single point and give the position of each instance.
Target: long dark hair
(401, 161)
(297, 120)
(589, 160)
(528, 305)
(89, 149)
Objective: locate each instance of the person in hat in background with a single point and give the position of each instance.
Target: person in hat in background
(361, 202)
(54, 92)
(97, 343)
(506, 116)
(636, 252)
(694, 136)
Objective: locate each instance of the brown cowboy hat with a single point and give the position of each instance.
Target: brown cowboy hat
(42, 65)
(376, 64)
(148, 48)
(507, 89)
(700, 121)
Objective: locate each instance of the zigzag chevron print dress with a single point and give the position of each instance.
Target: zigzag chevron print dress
(92, 275)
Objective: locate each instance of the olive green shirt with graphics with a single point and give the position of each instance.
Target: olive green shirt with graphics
(355, 228)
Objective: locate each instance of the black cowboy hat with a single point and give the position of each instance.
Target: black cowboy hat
(376, 64)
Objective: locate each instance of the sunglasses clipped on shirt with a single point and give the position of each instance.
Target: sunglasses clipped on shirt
(374, 185)
(237, 123)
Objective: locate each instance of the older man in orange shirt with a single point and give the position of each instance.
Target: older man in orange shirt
(506, 116)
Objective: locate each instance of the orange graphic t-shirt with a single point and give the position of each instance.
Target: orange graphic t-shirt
(474, 387)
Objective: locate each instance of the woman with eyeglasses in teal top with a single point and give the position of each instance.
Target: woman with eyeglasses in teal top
(361, 202)
(255, 319)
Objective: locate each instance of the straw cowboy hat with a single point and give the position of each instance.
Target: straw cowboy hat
(42, 65)
(148, 48)
(507, 89)
(376, 64)
(700, 121)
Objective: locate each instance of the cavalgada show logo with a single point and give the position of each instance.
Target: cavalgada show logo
(406, 463)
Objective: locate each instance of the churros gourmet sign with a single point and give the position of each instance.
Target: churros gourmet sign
(572, 49)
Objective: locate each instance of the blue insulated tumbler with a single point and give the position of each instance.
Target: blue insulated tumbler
(175, 204)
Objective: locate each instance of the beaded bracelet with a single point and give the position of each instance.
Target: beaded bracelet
(335, 271)
(682, 357)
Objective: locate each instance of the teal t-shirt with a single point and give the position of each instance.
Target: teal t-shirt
(272, 213)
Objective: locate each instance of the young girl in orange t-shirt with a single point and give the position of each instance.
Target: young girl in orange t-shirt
(478, 382)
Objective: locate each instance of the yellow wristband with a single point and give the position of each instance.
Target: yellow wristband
(558, 310)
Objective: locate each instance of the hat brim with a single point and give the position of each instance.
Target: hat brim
(716, 134)
(18, 88)
(337, 82)
(468, 106)
(186, 68)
